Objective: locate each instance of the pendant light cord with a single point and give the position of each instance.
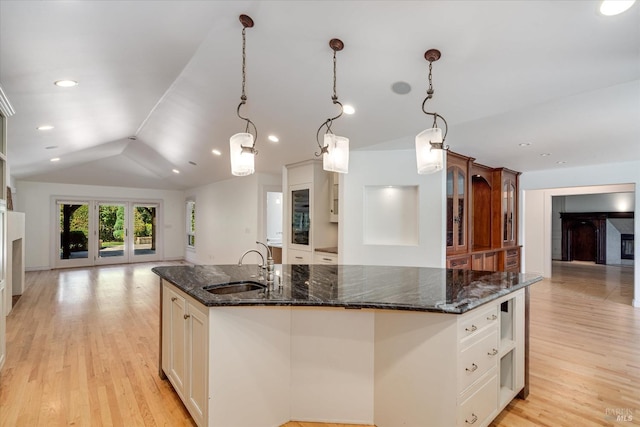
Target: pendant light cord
(430, 92)
(243, 97)
(329, 122)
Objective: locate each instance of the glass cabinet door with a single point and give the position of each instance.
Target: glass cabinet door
(508, 212)
(449, 208)
(300, 219)
(461, 214)
(456, 209)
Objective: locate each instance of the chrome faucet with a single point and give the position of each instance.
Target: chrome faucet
(260, 267)
(270, 265)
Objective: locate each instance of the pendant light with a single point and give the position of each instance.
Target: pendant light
(242, 145)
(430, 142)
(335, 151)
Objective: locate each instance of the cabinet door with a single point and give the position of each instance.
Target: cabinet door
(197, 363)
(457, 215)
(176, 345)
(300, 215)
(508, 212)
(334, 202)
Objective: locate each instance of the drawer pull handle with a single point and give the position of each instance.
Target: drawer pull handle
(493, 352)
(173, 298)
(474, 418)
(472, 368)
(186, 316)
(298, 257)
(492, 317)
(473, 328)
(327, 259)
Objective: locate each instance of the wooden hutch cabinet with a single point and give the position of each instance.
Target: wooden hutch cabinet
(482, 216)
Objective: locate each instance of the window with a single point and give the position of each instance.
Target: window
(191, 223)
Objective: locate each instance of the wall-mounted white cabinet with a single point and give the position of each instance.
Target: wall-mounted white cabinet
(308, 216)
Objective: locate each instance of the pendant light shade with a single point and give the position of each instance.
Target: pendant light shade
(336, 159)
(429, 153)
(430, 142)
(242, 154)
(242, 145)
(335, 149)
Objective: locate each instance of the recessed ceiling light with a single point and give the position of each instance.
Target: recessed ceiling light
(561, 162)
(545, 154)
(524, 144)
(273, 138)
(216, 152)
(615, 7)
(175, 171)
(45, 127)
(66, 83)
(51, 147)
(55, 159)
(348, 109)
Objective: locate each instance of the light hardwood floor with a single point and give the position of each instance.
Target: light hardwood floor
(83, 350)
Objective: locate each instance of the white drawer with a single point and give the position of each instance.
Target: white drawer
(477, 359)
(473, 324)
(295, 256)
(325, 258)
(478, 407)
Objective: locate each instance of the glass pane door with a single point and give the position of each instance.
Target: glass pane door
(112, 233)
(73, 234)
(300, 219)
(144, 236)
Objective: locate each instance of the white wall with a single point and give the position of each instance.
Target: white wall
(538, 188)
(34, 199)
(610, 202)
(230, 218)
(391, 168)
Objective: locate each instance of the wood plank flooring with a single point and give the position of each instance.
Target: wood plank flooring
(82, 350)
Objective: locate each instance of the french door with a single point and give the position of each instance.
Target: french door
(91, 232)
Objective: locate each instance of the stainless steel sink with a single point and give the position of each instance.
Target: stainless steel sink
(234, 287)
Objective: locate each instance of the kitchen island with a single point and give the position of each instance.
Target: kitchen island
(351, 344)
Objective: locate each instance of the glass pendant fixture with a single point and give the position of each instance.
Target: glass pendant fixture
(430, 142)
(242, 145)
(335, 151)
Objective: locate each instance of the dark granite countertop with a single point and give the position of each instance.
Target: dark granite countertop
(351, 286)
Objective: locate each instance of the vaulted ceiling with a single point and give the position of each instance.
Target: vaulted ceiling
(159, 83)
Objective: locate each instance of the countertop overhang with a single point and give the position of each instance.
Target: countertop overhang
(351, 286)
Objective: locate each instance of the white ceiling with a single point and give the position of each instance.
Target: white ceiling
(555, 74)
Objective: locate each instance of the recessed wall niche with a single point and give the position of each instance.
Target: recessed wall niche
(390, 215)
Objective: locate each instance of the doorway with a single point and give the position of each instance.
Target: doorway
(92, 232)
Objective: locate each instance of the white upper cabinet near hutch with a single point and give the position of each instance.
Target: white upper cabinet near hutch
(308, 219)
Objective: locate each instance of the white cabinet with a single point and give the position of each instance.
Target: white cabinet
(308, 219)
(185, 340)
(446, 369)
(490, 359)
(299, 257)
(325, 258)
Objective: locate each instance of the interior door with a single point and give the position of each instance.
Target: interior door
(583, 242)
